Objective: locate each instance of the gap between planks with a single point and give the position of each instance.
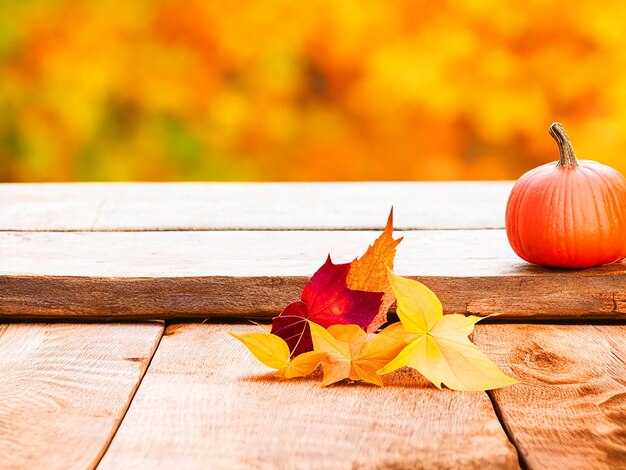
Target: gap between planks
(205, 402)
(65, 389)
(132, 396)
(570, 410)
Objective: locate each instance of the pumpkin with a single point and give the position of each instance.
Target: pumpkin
(570, 213)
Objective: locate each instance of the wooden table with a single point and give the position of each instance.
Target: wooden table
(115, 301)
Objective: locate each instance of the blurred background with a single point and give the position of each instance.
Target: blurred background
(277, 90)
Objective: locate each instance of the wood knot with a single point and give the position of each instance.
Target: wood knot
(536, 357)
(542, 359)
(534, 361)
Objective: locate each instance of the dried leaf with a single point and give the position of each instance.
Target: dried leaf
(350, 355)
(273, 351)
(327, 301)
(441, 350)
(369, 272)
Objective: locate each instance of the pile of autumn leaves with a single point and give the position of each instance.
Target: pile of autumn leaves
(343, 305)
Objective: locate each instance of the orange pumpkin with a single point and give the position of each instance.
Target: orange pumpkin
(570, 213)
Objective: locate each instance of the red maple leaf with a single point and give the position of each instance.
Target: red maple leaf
(326, 300)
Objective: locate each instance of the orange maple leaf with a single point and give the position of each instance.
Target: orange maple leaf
(353, 354)
(369, 273)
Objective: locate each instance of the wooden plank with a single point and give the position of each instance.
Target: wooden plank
(570, 410)
(169, 274)
(271, 206)
(65, 389)
(206, 403)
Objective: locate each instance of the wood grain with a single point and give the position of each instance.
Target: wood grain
(570, 410)
(252, 206)
(64, 389)
(235, 273)
(206, 403)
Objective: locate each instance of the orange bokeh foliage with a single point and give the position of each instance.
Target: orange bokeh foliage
(317, 90)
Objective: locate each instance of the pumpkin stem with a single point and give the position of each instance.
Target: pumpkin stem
(566, 151)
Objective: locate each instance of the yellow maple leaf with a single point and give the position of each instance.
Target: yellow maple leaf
(369, 272)
(441, 350)
(273, 351)
(350, 355)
